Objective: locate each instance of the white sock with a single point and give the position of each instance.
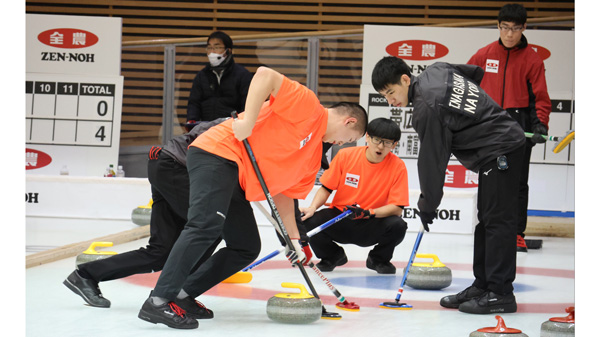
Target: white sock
(157, 301)
(182, 294)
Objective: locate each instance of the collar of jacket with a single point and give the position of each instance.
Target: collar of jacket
(411, 87)
(521, 45)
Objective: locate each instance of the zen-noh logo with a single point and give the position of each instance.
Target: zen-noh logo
(68, 38)
(543, 52)
(35, 159)
(458, 176)
(417, 50)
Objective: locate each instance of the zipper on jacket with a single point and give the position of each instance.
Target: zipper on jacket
(504, 77)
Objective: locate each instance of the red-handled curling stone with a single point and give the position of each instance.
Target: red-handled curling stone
(499, 330)
(560, 326)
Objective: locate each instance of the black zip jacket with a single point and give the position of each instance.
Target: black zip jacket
(453, 115)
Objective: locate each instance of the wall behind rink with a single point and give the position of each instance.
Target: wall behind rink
(551, 181)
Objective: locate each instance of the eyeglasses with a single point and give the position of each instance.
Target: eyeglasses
(386, 143)
(215, 48)
(514, 29)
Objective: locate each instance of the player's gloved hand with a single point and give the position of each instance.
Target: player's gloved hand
(426, 218)
(153, 153)
(295, 254)
(359, 213)
(539, 130)
(307, 252)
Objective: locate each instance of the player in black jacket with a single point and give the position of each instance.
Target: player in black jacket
(170, 187)
(454, 116)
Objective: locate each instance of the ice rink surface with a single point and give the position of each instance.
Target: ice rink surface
(544, 287)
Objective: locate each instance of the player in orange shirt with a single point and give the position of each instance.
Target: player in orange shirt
(375, 179)
(286, 134)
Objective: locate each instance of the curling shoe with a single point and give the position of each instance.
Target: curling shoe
(521, 244)
(329, 265)
(194, 309)
(454, 301)
(490, 303)
(88, 290)
(169, 314)
(381, 267)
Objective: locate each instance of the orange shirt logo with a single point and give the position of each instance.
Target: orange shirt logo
(352, 180)
(305, 140)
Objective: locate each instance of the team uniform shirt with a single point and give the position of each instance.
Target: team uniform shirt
(356, 180)
(286, 141)
(514, 77)
(453, 115)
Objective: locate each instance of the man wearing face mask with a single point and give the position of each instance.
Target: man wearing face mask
(221, 86)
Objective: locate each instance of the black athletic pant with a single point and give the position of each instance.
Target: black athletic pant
(495, 251)
(218, 207)
(523, 117)
(170, 194)
(384, 233)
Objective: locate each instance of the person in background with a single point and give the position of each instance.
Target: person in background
(221, 86)
(515, 78)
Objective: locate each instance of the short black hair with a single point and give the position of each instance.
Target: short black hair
(353, 110)
(384, 128)
(513, 13)
(388, 71)
(221, 36)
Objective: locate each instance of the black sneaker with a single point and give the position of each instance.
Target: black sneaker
(490, 303)
(87, 289)
(194, 309)
(329, 265)
(381, 267)
(454, 301)
(169, 314)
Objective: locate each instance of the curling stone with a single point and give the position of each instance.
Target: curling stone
(294, 308)
(141, 214)
(560, 326)
(499, 331)
(432, 276)
(91, 254)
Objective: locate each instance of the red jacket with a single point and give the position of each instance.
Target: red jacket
(510, 73)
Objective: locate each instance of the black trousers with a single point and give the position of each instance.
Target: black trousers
(495, 250)
(523, 117)
(170, 195)
(384, 233)
(218, 208)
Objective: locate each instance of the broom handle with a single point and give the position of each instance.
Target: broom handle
(551, 138)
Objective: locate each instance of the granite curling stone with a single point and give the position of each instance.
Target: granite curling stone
(91, 254)
(431, 276)
(294, 308)
(141, 214)
(560, 326)
(499, 330)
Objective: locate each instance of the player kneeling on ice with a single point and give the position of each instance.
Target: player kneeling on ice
(373, 183)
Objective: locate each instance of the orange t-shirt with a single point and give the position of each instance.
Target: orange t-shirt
(356, 180)
(286, 141)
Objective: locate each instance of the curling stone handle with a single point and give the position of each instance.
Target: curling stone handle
(303, 291)
(92, 248)
(436, 260)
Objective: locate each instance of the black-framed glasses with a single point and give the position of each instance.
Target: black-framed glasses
(215, 48)
(514, 29)
(386, 142)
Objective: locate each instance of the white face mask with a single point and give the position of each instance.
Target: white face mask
(216, 59)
